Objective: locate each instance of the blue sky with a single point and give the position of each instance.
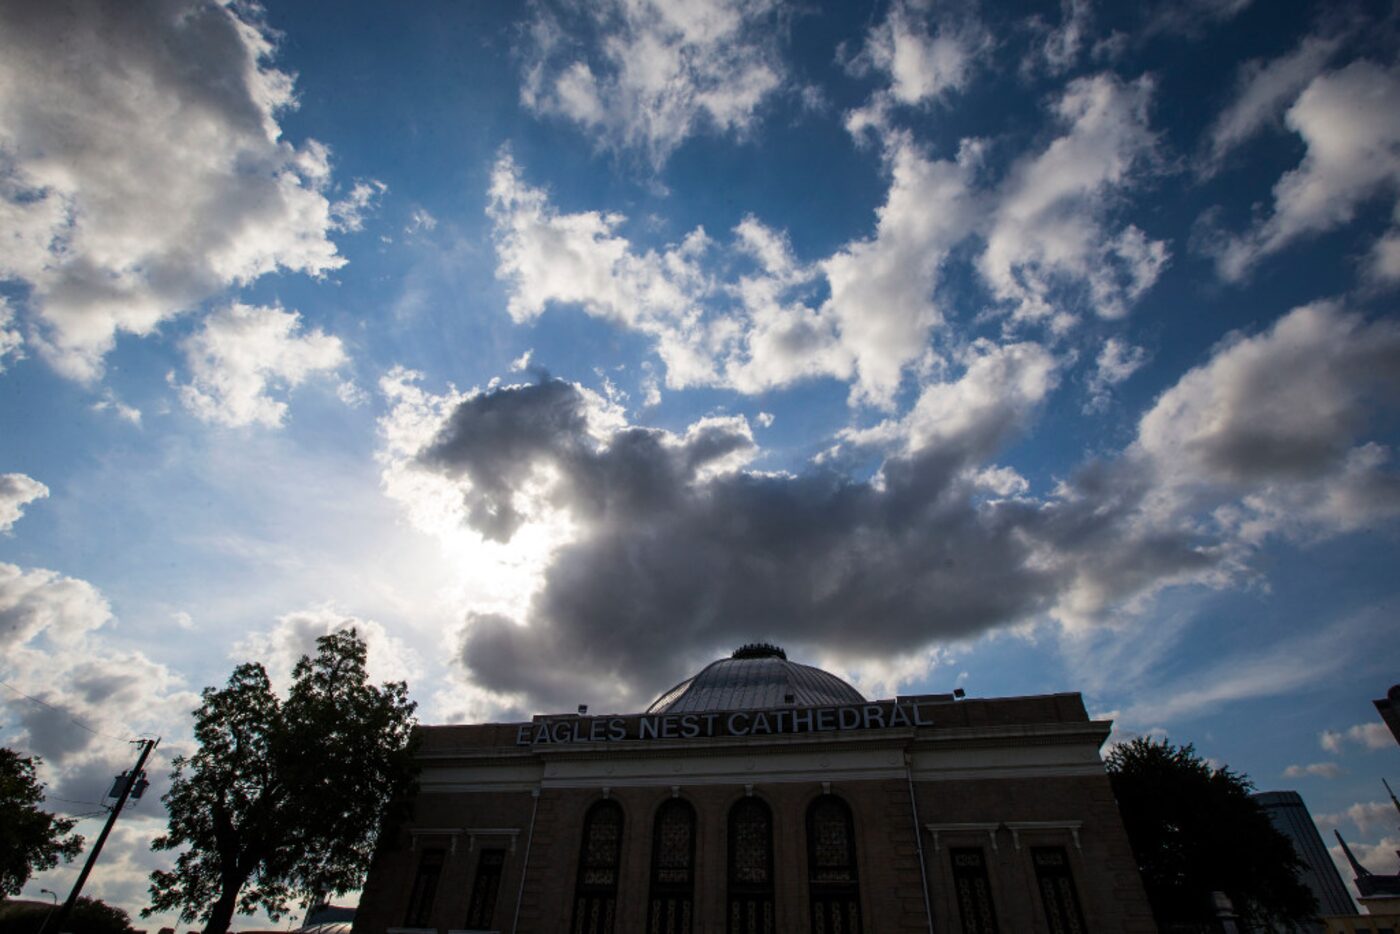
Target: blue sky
(563, 347)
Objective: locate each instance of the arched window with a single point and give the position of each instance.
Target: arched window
(672, 901)
(833, 886)
(595, 896)
(751, 868)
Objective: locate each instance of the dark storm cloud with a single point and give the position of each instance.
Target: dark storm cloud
(671, 563)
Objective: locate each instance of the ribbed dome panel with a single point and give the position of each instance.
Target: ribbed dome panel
(756, 684)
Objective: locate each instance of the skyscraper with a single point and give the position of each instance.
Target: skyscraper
(1292, 818)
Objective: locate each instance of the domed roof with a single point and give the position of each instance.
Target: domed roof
(756, 677)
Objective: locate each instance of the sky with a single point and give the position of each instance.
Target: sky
(562, 347)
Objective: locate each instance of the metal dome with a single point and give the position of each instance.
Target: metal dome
(756, 677)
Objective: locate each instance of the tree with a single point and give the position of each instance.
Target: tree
(89, 916)
(284, 799)
(31, 840)
(1196, 830)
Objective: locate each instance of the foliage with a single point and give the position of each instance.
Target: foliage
(284, 799)
(89, 916)
(31, 840)
(1196, 830)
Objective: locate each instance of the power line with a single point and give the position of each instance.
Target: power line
(71, 719)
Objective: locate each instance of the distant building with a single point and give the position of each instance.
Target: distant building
(1389, 708)
(765, 796)
(1292, 818)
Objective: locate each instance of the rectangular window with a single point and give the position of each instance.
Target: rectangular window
(974, 892)
(420, 900)
(1057, 890)
(482, 907)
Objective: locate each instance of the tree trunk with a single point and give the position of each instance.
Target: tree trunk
(222, 915)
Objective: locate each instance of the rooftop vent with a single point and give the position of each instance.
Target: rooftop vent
(759, 650)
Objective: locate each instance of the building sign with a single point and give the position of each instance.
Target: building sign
(788, 720)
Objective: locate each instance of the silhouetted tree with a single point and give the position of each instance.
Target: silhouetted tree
(88, 916)
(31, 839)
(1196, 830)
(284, 799)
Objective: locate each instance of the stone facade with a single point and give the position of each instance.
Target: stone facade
(1009, 784)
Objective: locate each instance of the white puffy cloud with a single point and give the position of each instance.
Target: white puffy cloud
(923, 58)
(1056, 48)
(545, 256)
(1117, 360)
(279, 648)
(1050, 243)
(1275, 419)
(1367, 735)
(1262, 91)
(1049, 247)
(40, 601)
(241, 352)
(144, 168)
(17, 490)
(1349, 120)
(1314, 769)
(645, 75)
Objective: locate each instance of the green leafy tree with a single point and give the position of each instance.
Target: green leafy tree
(1196, 830)
(89, 916)
(31, 839)
(283, 800)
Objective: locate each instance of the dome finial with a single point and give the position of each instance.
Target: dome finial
(759, 650)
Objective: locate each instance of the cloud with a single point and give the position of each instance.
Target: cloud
(1318, 769)
(650, 550)
(17, 490)
(672, 549)
(1057, 49)
(1365, 815)
(11, 341)
(1262, 91)
(241, 352)
(645, 76)
(1117, 360)
(1349, 120)
(349, 212)
(144, 168)
(546, 257)
(110, 403)
(746, 314)
(1276, 418)
(1050, 244)
(35, 601)
(1368, 735)
(279, 648)
(924, 60)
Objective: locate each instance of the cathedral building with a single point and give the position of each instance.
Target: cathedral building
(765, 796)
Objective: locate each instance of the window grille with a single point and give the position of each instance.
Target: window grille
(595, 896)
(1057, 890)
(974, 892)
(420, 898)
(672, 903)
(750, 868)
(482, 907)
(833, 886)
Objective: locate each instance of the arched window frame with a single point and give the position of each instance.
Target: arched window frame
(833, 888)
(750, 904)
(671, 901)
(595, 891)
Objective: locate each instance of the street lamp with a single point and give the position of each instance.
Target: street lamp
(54, 896)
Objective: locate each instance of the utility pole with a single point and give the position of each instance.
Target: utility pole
(146, 746)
